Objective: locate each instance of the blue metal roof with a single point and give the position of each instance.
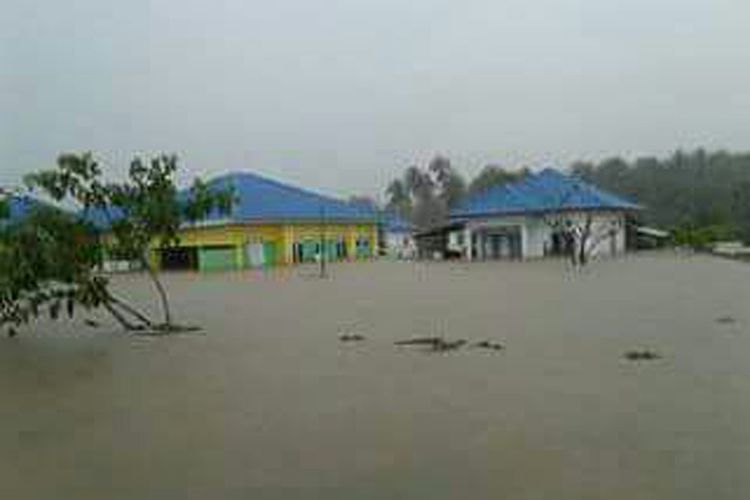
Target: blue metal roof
(548, 191)
(20, 206)
(262, 199)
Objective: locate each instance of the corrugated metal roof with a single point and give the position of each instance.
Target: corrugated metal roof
(20, 206)
(548, 191)
(263, 199)
(260, 199)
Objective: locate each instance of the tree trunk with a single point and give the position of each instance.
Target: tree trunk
(160, 289)
(118, 316)
(585, 234)
(130, 309)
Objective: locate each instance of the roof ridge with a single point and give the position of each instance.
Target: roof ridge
(279, 184)
(544, 190)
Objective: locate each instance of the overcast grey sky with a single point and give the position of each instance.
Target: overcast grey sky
(342, 95)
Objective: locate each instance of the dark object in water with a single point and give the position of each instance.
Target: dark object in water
(641, 355)
(444, 345)
(92, 323)
(435, 343)
(431, 341)
(488, 344)
(726, 320)
(351, 337)
(167, 329)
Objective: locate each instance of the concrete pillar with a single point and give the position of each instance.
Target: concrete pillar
(239, 256)
(374, 242)
(351, 243)
(468, 244)
(288, 244)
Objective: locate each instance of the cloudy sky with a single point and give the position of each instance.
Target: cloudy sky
(342, 95)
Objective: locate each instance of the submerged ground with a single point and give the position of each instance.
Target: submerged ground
(269, 404)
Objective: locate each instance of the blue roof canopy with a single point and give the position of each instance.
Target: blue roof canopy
(548, 191)
(262, 199)
(21, 206)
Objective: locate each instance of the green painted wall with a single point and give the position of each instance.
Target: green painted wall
(364, 249)
(217, 258)
(269, 253)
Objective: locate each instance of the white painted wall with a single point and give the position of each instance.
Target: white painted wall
(400, 245)
(536, 233)
(538, 237)
(602, 227)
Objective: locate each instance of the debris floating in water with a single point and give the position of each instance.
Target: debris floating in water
(435, 343)
(351, 337)
(431, 341)
(726, 320)
(642, 355)
(449, 345)
(488, 344)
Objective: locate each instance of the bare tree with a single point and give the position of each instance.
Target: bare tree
(576, 226)
(580, 234)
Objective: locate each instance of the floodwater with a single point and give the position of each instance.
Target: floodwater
(269, 404)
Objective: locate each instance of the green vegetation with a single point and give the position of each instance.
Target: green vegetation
(51, 258)
(700, 196)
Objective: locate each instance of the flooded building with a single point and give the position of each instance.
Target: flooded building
(399, 237)
(273, 223)
(535, 217)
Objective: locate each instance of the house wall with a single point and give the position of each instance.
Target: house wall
(277, 239)
(602, 242)
(536, 232)
(400, 244)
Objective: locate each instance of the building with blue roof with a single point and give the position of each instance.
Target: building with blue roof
(273, 223)
(398, 233)
(522, 219)
(18, 206)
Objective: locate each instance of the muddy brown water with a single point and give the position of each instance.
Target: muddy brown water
(269, 404)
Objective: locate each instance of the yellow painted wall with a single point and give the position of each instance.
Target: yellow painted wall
(283, 235)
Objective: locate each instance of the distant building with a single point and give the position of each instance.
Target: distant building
(522, 219)
(735, 249)
(650, 237)
(18, 206)
(399, 237)
(272, 223)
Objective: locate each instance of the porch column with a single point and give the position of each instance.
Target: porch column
(288, 245)
(467, 243)
(239, 256)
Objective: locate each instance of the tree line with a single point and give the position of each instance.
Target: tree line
(50, 260)
(425, 195)
(700, 196)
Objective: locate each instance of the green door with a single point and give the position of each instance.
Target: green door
(217, 259)
(363, 248)
(309, 250)
(269, 253)
(331, 253)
